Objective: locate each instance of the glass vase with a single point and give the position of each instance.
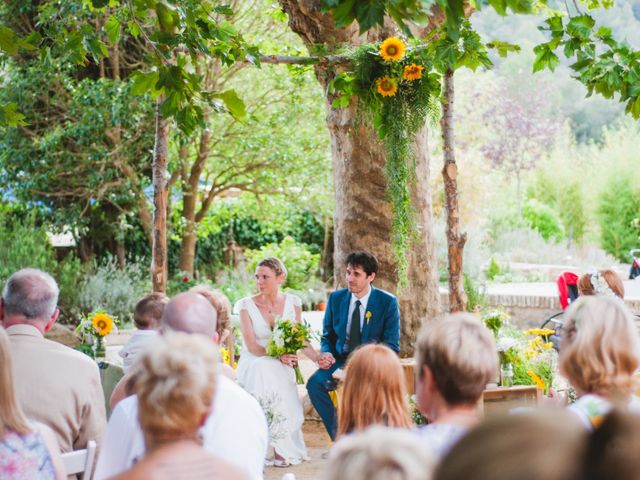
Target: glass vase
(100, 348)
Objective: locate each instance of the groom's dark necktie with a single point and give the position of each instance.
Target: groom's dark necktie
(354, 331)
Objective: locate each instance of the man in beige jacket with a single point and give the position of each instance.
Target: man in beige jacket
(55, 384)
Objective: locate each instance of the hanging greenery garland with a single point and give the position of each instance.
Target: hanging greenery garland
(396, 90)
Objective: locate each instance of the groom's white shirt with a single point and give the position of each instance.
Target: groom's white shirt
(236, 431)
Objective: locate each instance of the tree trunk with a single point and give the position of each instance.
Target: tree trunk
(362, 219)
(455, 240)
(160, 194)
(190, 200)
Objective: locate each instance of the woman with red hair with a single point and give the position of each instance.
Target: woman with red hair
(374, 391)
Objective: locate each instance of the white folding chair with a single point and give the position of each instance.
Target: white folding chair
(80, 461)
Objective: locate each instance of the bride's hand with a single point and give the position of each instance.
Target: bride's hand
(289, 359)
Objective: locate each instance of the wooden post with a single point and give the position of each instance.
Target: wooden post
(160, 194)
(455, 240)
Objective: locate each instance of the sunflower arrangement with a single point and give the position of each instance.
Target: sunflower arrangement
(529, 352)
(92, 330)
(396, 89)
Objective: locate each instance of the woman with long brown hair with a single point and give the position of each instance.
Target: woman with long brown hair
(27, 449)
(374, 391)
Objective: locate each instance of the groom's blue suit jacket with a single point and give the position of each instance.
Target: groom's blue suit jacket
(383, 325)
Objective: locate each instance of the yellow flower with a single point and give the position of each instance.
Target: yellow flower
(225, 355)
(412, 72)
(387, 87)
(537, 380)
(103, 324)
(392, 49)
(545, 332)
(367, 316)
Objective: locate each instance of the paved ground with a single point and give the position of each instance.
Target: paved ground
(550, 289)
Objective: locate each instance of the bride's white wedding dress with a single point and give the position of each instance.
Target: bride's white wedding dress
(273, 384)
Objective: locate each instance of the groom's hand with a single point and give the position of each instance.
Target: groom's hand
(326, 360)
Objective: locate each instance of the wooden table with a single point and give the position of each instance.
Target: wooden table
(494, 400)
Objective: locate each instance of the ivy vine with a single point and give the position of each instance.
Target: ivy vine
(396, 89)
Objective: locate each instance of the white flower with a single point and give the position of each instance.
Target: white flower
(505, 343)
(277, 338)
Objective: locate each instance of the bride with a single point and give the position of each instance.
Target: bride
(272, 380)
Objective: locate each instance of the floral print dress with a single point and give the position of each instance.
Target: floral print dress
(25, 457)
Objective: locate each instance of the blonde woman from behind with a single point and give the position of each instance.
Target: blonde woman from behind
(176, 387)
(599, 354)
(27, 449)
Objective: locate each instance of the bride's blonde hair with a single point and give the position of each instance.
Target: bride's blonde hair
(274, 264)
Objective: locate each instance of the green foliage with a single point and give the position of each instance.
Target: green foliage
(23, 244)
(565, 196)
(180, 282)
(236, 284)
(113, 290)
(476, 298)
(175, 34)
(493, 270)
(602, 64)
(544, 219)
(618, 207)
(371, 14)
(301, 264)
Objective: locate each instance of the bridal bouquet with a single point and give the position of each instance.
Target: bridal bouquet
(287, 338)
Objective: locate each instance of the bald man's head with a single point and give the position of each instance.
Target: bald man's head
(190, 313)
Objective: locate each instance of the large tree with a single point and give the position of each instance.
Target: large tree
(362, 219)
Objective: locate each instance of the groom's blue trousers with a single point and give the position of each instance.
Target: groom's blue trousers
(318, 386)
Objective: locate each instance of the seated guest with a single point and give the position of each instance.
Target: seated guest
(176, 386)
(612, 449)
(455, 359)
(601, 282)
(374, 391)
(236, 430)
(379, 453)
(222, 306)
(599, 354)
(146, 317)
(27, 450)
(55, 385)
(543, 445)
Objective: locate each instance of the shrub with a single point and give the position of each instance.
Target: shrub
(300, 262)
(493, 270)
(113, 290)
(543, 219)
(23, 244)
(618, 206)
(476, 297)
(565, 196)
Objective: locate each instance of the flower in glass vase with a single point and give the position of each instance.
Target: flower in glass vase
(93, 328)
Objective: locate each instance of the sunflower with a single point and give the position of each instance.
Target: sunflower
(103, 323)
(412, 72)
(392, 49)
(387, 87)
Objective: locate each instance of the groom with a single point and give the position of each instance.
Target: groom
(355, 315)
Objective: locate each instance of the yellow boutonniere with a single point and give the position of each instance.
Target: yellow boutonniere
(367, 316)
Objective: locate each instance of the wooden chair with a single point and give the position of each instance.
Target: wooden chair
(80, 461)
